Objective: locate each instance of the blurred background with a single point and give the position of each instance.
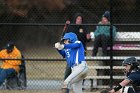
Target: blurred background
(35, 25)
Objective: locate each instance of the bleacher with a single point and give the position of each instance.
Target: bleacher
(126, 44)
(123, 37)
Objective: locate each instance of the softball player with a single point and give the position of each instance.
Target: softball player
(133, 76)
(73, 51)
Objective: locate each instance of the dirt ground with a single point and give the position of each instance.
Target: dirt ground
(37, 91)
(44, 91)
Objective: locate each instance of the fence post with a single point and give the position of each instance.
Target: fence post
(111, 45)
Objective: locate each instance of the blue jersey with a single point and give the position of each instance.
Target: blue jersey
(73, 52)
(134, 77)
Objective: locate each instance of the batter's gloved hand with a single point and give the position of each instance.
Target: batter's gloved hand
(59, 46)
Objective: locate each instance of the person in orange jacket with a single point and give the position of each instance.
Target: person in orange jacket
(9, 67)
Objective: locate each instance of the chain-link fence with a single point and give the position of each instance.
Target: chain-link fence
(35, 25)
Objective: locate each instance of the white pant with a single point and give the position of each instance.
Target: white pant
(75, 79)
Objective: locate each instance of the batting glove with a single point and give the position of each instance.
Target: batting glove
(59, 46)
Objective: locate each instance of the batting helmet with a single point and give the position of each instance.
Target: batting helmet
(131, 61)
(70, 36)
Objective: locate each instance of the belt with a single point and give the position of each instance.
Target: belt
(78, 64)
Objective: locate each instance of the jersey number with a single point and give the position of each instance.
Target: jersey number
(68, 54)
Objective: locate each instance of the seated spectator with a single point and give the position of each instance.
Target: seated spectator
(102, 34)
(9, 67)
(18, 81)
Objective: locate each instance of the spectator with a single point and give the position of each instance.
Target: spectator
(102, 34)
(132, 76)
(9, 67)
(18, 81)
(80, 30)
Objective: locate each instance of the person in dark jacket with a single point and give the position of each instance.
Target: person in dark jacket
(80, 30)
(102, 34)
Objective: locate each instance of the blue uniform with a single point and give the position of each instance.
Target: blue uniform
(73, 52)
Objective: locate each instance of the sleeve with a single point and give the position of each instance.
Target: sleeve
(2, 54)
(62, 52)
(132, 77)
(114, 31)
(87, 33)
(72, 45)
(88, 37)
(86, 29)
(65, 27)
(16, 62)
(68, 29)
(96, 33)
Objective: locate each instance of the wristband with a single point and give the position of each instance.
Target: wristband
(117, 87)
